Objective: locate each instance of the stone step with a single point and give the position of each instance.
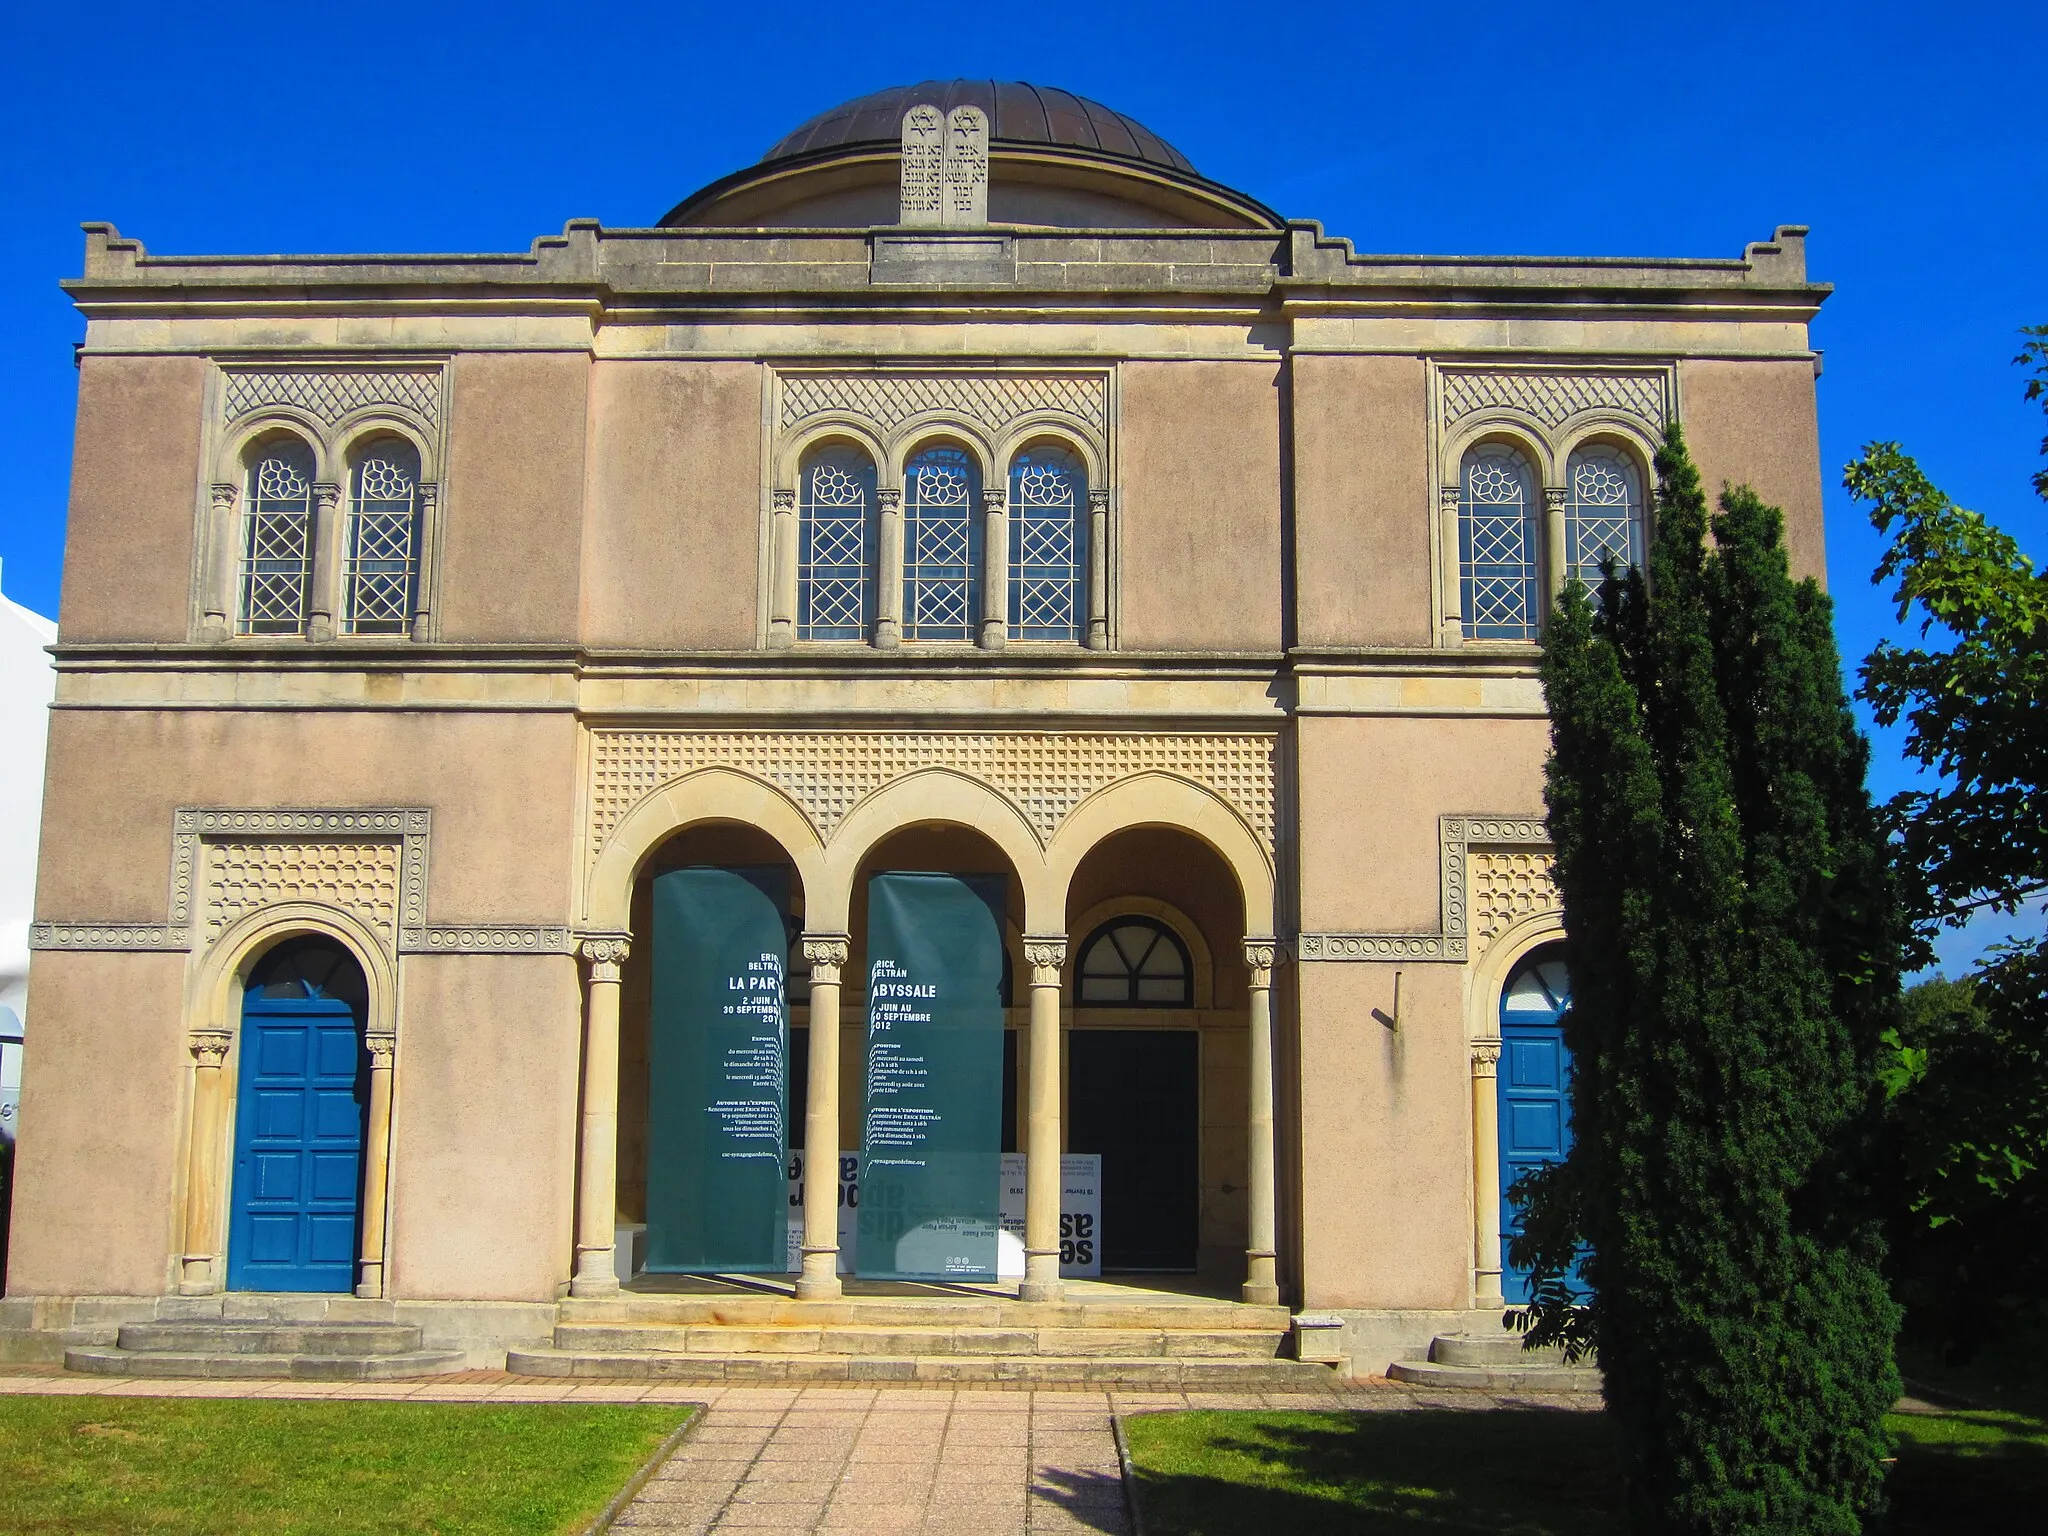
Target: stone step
(1498, 1378)
(901, 1342)
(292, 1367)
(921, 1312)
(1498, 1349)
(275, 1307)
(1203, 1373)
(252, 1338)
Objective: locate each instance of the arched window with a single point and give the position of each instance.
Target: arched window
(1497, 544)
(311, 966)
(381, 579)
(1603, 511)
(277, 540)
(834, 583)
(1048, 543)
(1135, 962)
(941, 545)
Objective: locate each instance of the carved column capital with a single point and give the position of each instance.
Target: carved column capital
(1554, 497)
(889, 498)
(1448, 497)
(327, 493)
(1045, 953)
(1259, 955)
(210, 1046)
(783, 498)
(429, 493)
(994, 498)
(382, 1049)
(826, 953)
(1098, 500)
(605, 954)
(225, 494)
(1486, 1057)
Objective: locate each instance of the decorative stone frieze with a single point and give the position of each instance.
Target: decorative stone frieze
(1553, 396)
(112, 937)
(485, 939)
(330, 394)
(827, 773)
(1492, 872)
(406, 829)
(992, 400)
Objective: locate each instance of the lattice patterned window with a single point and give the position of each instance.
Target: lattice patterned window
(941, 545)
(1603, 511)
(277, 540)
(1048, 543)
(1135, 962)
(835, 581)
(1497, 544)
(382, 575)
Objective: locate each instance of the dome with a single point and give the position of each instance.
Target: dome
(1056, 161)
(1018, 114)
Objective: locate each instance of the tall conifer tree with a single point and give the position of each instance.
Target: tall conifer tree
(1733, 943)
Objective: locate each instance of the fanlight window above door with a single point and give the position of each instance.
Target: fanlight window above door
(1135, 962)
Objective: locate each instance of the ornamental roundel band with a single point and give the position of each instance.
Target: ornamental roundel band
(828, 773)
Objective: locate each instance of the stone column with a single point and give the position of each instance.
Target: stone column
(1553, 543)
(783, 554)
(819, 1281)
(1097, 631)
(216, 621)
(326, 536)
(376, 1164)
(995, 569)
(1262, 1278)
(424, 553)
(1486, 1172)
(203, 1163)
(1045, 954)
(1452, 557)
(889, 570)
(597, 1196)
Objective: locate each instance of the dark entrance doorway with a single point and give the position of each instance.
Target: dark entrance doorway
(1134, 1097)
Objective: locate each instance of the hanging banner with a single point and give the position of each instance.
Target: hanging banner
(931, 1139)
(716, 1079)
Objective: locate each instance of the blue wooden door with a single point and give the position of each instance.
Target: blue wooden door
(299, 1123)
(1535, 1115)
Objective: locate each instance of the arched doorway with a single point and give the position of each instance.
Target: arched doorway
(1533, 1088)
(301, 1111)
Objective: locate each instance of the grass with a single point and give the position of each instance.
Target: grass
(1517, 1473)
(121, 1466)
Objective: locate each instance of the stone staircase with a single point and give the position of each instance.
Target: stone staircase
(1211, 1345)
(302, 1338)
(1494, 1363)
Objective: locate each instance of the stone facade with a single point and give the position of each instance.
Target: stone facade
(1271, 728)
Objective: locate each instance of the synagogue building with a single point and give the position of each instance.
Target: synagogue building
(929, 768)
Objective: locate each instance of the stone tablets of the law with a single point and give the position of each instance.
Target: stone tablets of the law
(924, 152)
(964, 172)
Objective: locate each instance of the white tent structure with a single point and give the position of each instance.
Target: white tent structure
(28, 681)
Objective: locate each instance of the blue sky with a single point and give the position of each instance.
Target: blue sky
(1908, 136)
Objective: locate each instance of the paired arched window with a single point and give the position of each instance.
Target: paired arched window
(1603, 511)
(381, 580)
(1134, 962)
(1048, 543)
(835, 559)
(1497, 543)
(941, 544)
(277, 539)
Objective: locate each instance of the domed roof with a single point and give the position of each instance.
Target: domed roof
(1017, 114)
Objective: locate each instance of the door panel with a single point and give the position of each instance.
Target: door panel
(1534, 1077)
(299, 1122)
(1133, 1096)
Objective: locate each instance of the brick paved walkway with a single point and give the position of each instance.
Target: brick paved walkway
(842, 1459)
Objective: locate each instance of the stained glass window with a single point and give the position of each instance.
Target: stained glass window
(1048, 517)
(941, 545)
(1135, 962)
(835, 581)
(1497, 544)
(1603, 511)
(277, 540)
(382, 574)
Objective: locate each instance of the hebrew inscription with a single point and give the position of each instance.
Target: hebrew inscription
(964, 173)
(919, 199)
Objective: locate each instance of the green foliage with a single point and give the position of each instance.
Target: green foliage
(1734, 947)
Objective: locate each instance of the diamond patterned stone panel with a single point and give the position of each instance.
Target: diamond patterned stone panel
(992, 400)
(1553, 397)
(329, 394)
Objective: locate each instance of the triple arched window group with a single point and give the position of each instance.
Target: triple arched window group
(307, 554)
(946, 557)
(1519, 542)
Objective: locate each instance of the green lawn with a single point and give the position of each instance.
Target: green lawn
(1516, 1473)
(113, 1466)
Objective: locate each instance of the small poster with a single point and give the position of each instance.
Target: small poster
(1080, 1216)
(849, 1210)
